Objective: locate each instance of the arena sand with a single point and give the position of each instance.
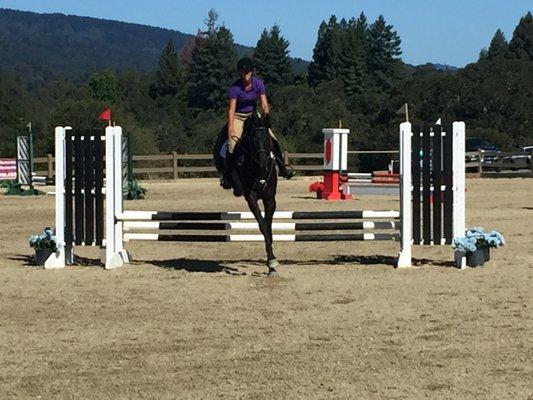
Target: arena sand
(202, 321)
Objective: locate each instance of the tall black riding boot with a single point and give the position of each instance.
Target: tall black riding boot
(285, 172)
(231, 175)
(226, 181)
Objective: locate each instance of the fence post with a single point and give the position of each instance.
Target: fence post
(174, 165)
(286, 157)
(50, 164)
(480, 159)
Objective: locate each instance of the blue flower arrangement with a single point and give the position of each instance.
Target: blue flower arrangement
(477, 238)
(46, 240)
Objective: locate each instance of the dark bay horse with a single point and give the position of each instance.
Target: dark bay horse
(255, 172)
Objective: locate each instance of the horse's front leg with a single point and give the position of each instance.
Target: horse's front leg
(270, 209)
(265, 226)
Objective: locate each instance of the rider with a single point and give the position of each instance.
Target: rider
(243, 96)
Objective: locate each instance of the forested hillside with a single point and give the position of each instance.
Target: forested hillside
(41, 45)
(177, 101)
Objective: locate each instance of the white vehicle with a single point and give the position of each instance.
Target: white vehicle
(523, 155)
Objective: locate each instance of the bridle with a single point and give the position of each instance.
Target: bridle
(262, 182)
(255, 160)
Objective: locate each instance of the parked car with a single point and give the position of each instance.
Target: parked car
(521, 156)
(489, 152)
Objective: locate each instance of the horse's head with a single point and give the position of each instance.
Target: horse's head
(258, 144)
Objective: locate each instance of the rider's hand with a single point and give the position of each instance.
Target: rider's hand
(266, 120)
(231, 133)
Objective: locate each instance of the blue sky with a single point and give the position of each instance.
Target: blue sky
(440, 31)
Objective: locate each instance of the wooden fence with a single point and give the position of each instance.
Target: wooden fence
(182, 165)
(175, 166)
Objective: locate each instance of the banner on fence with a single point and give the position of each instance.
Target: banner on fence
(8, 168)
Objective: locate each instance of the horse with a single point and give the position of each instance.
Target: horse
(255, 176)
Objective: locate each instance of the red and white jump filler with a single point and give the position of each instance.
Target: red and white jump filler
(335, 162)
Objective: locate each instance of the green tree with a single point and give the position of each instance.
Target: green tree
(271, 57)
(383, 62)
(361, 25)
(327, 54)
(521, 45)
(103, 86)
(169, 76)
(212, 66)
(79, 113)
(352, 59)
(15, 111)
(499, 48)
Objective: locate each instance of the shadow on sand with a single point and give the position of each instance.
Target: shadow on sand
(211, 266)
(192, 265)
(26, 259)
(29, 261)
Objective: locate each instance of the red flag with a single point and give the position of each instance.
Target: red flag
(106, 115)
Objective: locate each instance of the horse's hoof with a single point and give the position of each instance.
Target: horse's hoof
(272, 264)
(272, 272)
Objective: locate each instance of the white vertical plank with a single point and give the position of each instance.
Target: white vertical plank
(404, 257)
(459, 185)
(58, 259)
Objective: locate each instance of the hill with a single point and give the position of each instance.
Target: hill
(44, 45)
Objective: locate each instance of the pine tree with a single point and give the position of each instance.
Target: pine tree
(361, 25)
(383, 62)
(271, 57)
(352, 60)
(316, 70)
(212, 66)
(327, 54)
(169, 76)
(483, 54)
(498, 49)
(521, 45)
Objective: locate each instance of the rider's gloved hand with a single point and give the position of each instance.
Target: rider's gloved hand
(266, 120)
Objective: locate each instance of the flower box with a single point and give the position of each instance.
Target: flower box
(44, 244)
(475, 246)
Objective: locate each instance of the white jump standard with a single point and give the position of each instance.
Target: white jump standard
(431, 202)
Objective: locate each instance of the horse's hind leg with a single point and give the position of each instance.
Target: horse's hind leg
(265, 226)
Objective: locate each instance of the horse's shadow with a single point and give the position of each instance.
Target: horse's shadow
(387, 260)
(212, 266)
(192, 265)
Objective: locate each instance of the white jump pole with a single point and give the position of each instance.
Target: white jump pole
(65, 253)
(405, 255)
(115, 255)
(459, 186)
